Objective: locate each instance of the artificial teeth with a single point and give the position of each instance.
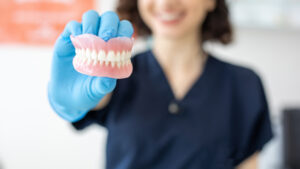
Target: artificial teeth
(119, 64)
(106, 62)
(88, 53)
(111, 56)
(115, 59)
(94, 55)
(101, 55)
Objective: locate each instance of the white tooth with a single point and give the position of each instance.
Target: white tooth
(119, 64)
(112, 64)
(77, 54)
(101, 55)
(82, 53)
(94, 55)
(89, 60)
(123, 56)
(111, 56)
(101, 62)
(106, 62)
(128, 62)
(88, 53)
(95, 62)
(79, 51)
(118, 57)
(82, 60)
(77, 58)
(128, 55)
(89, 57)
(76, 51)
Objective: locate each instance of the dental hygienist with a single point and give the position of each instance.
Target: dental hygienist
(182, 108)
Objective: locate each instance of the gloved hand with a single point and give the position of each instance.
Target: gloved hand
(70, 93)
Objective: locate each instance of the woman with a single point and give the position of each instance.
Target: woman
(181, 108)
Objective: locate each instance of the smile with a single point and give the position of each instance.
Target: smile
(170, 17)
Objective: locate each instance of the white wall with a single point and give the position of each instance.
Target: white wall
(275, 55)
(31, 135)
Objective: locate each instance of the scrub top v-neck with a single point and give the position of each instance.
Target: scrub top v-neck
(159, 75)
(222, 120)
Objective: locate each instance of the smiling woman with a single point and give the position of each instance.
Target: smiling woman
(215, 27)
(181, 107)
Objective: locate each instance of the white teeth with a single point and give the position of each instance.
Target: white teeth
(83, 53)
(88, 61)
(118, 57)
(101, 55)
(106, 62)
(88, 56)
(111, 56)
(94, 55)
(88, 53)
(95, 62)
(128, 55)
(82, 59)
(169, 17)
(123, 56)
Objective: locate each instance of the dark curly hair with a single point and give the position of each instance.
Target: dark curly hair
(216, 26)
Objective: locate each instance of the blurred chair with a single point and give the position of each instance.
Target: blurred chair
(291, 139)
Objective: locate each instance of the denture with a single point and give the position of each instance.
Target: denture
(96, 57)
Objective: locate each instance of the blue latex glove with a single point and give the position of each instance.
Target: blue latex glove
(70, 93)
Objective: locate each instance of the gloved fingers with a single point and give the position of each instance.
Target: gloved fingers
(90, 22)
(63, 47)
(109, 25)
(100, 86)
(72, 28)
(125, 29)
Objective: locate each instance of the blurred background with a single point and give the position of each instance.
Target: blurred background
(267, 39)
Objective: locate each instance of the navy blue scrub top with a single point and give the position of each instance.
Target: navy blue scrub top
(222, 120)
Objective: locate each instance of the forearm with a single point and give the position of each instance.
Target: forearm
(250, 163)
(104, 101)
